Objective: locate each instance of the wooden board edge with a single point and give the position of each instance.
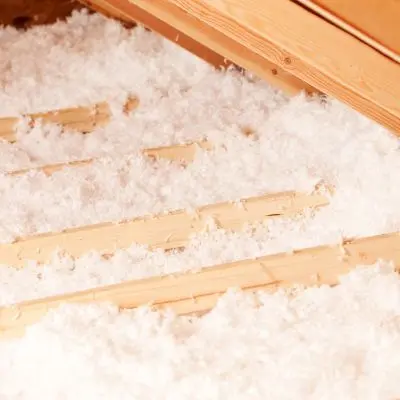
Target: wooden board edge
(165, 231)
(188, 293)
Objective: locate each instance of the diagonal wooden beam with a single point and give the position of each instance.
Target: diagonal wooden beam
(202, 40)
(291, 37)
(82, 119)
(198, 292)
(166, 231)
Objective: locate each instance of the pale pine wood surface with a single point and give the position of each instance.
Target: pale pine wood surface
(198, 292)
(165, 231)
(376, 22)
(182, 153)
(81, 119)
(204, 41)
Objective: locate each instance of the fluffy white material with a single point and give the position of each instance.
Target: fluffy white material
(300, 145)
(91, 59)
(327, 343)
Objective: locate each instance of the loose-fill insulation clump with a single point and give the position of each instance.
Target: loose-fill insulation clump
(327, 343)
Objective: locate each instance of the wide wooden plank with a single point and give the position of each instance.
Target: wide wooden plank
(198, 292)
(293, 38)
(203, 41)
(81, 119)
(375, 22)
(166, 231)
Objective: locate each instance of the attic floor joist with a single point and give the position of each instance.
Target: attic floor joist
(166, 231)
(258, 33)
(181, 153)
(86, 119)
(198, 292)
(83, 119)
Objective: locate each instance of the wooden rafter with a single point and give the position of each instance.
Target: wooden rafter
(256, 34)
(202, 40)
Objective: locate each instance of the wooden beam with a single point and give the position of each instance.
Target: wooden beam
(182, 153)
(166, 231)
(82, 119)
(202, 40)
(289, 36)
(198, 292)
(372, 21)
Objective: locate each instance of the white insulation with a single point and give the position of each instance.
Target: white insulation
(340, 343)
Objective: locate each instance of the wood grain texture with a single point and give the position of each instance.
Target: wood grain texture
(165, 231)
(204, 41)
(375, 22)
(285, 34)
(81, 119)
(198, 292)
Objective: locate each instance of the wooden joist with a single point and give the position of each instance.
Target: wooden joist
(256, 34)
(198, 292)
(182, 153)
(206, 42)
(81, 119)
(166, 231)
